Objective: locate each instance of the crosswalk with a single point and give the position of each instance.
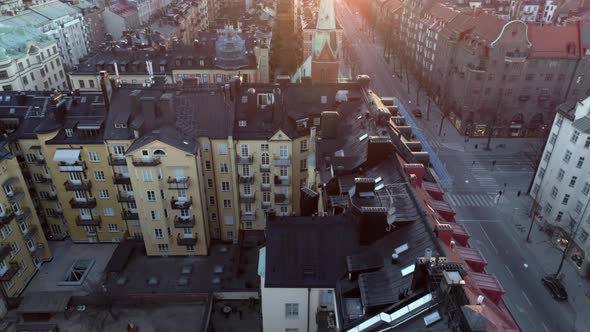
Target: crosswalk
(486, 182)
(470, 200)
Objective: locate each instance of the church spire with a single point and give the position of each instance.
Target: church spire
(326, 16)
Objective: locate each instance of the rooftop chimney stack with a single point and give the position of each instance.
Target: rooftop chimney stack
(329, 124)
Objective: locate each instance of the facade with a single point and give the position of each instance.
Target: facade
(119, 18)
(58, 20)
(94, 22)
(30, 60)
(212, 60)
(561, 186)
(180, 23)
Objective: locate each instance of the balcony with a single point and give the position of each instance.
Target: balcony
(247, 198)
(281, 160)
(543, 98)
(22, 214)
(265, 168)
(39, 161)
(282, 181)
(178, 183)
(515, 56)
(146, 162)
(80, 185)
(246, 179)
(181, 205)
(120, 178)
(126, 198)
(247, 216)
(88, 203)
(265, 205)
(245, 160)
(5, 251)
(10, 272)
(51, 197)
(129, 215)
(476, 68)
(117, 160)
(93, 221)
(180, 222)
(265, 187)
(281, 198)
(186, 241)
(33, 230)
(15, 196)
(77, 166)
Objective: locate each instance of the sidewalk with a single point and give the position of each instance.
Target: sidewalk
(547, 256)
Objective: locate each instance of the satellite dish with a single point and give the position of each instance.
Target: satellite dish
(391, 216)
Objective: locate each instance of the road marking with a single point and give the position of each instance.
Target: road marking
(544, 326)
(509, 272)
(527, 299)
(489, 240)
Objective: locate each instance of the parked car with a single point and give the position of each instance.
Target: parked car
(417, 112)
(556, 288)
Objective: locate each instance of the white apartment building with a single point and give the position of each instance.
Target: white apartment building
(59, 20)
(562, 185)
(29, 60)
(525, 10)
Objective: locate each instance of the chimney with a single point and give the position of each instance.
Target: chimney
(166, 108)
(444, 233)
(373, 224)
(427, 254)
(134, 101)
(148, 109)
(21, 98)
(379, 149)
(418, 170)
(364, 186)
(235, 88)
(105, 88)
(251, 93)
(329, 124)
(283, 80)
(309, 201)
(364, 81)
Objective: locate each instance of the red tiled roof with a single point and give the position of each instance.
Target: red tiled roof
(551, 41)
(443, 12)
(486, 27)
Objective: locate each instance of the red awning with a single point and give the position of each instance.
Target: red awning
(433, 189)
(489, 285)
(472, 257)
(443, 209)
(460, 234)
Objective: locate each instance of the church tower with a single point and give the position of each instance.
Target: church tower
(325, 53)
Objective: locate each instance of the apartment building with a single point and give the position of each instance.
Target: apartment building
(30, 60)
(95, 31)
(58, 20)
(22, 240)
(561, 186)
(211, 60)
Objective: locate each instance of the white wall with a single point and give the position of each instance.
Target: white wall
(114, 24)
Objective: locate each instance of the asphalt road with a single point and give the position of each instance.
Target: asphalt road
(476, 183)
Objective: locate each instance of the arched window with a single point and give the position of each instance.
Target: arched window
(159, 153)
(265, 159)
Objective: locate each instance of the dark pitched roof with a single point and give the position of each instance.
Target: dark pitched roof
(307, 252)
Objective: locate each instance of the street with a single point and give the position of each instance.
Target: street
(497, 225)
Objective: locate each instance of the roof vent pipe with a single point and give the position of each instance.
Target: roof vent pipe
(480, 300)
(427, 254)
(394, 258)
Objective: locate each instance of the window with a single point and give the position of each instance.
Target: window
(303, 164)
(37, 177)
(559, 120)
(228, 220)
(547, 156)
(224, 186)
(265, 159)
(212, 200)
(118, 150)
(108, 212)
(560, 174)
(266, 197)
(586, 189)
(583, 236)
(291, 310)
(264, 147)
(554, 192)
(559, 216)
(229, 235)
(245, 170)
(151, 196)
(575, 136)
(244, 150)
(190, 247)
(155, 214)
(289, 329)
(103, 194)
(284, 210)
(578, 207)
(227, 203)
(113, 228)
(147, 175)
(69, 132)
(548, 208)
(210, 183)
(587, 143)
(15, 249)
(580, 162)
(162, 194)
(207, 165)
(265, 178)
(93, 156)
(99, 175)
(213, 216)
(81, 83)
(284, 152)
(163, 247)
(566, 199)
(221, 148)
(573, 181)
(247, 189)
(30, 157)
(304, 145)
(158, 233)
(541, 172)
(284, 171)
(223, 168)
(567, 156)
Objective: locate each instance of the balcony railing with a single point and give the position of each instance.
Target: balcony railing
(246, 179)
(281, 198)
(476, 68)
(10, 272)
(265, 186)
(247, 216)
(281, 160)
(15, 196)
(39, 161)
(186, 241)
(282, 181)
(145, 162)
(178, 183)
(82, 185)
(93, 221)
(51, 197)
(22, 214)
(120, 178)
(88, 203)
(265, 168)
(266, 205)
(180, 222)
(125, 198)
(247, 198)
(116, 160)
(78, 166)
(181, 205)
(5, 251)
(129, 215)
(244, 160)
(33, 230)
(515, 56)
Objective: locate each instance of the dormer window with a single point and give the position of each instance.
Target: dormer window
(302, 124)
(159, 153)
(265, 99)
(69, 132)
(242, 123)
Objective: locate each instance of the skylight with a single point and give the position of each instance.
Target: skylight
(378, 179)
(408, 270)
(402, 248)
(365, 136)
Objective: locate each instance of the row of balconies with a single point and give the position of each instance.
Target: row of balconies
(78, 166)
